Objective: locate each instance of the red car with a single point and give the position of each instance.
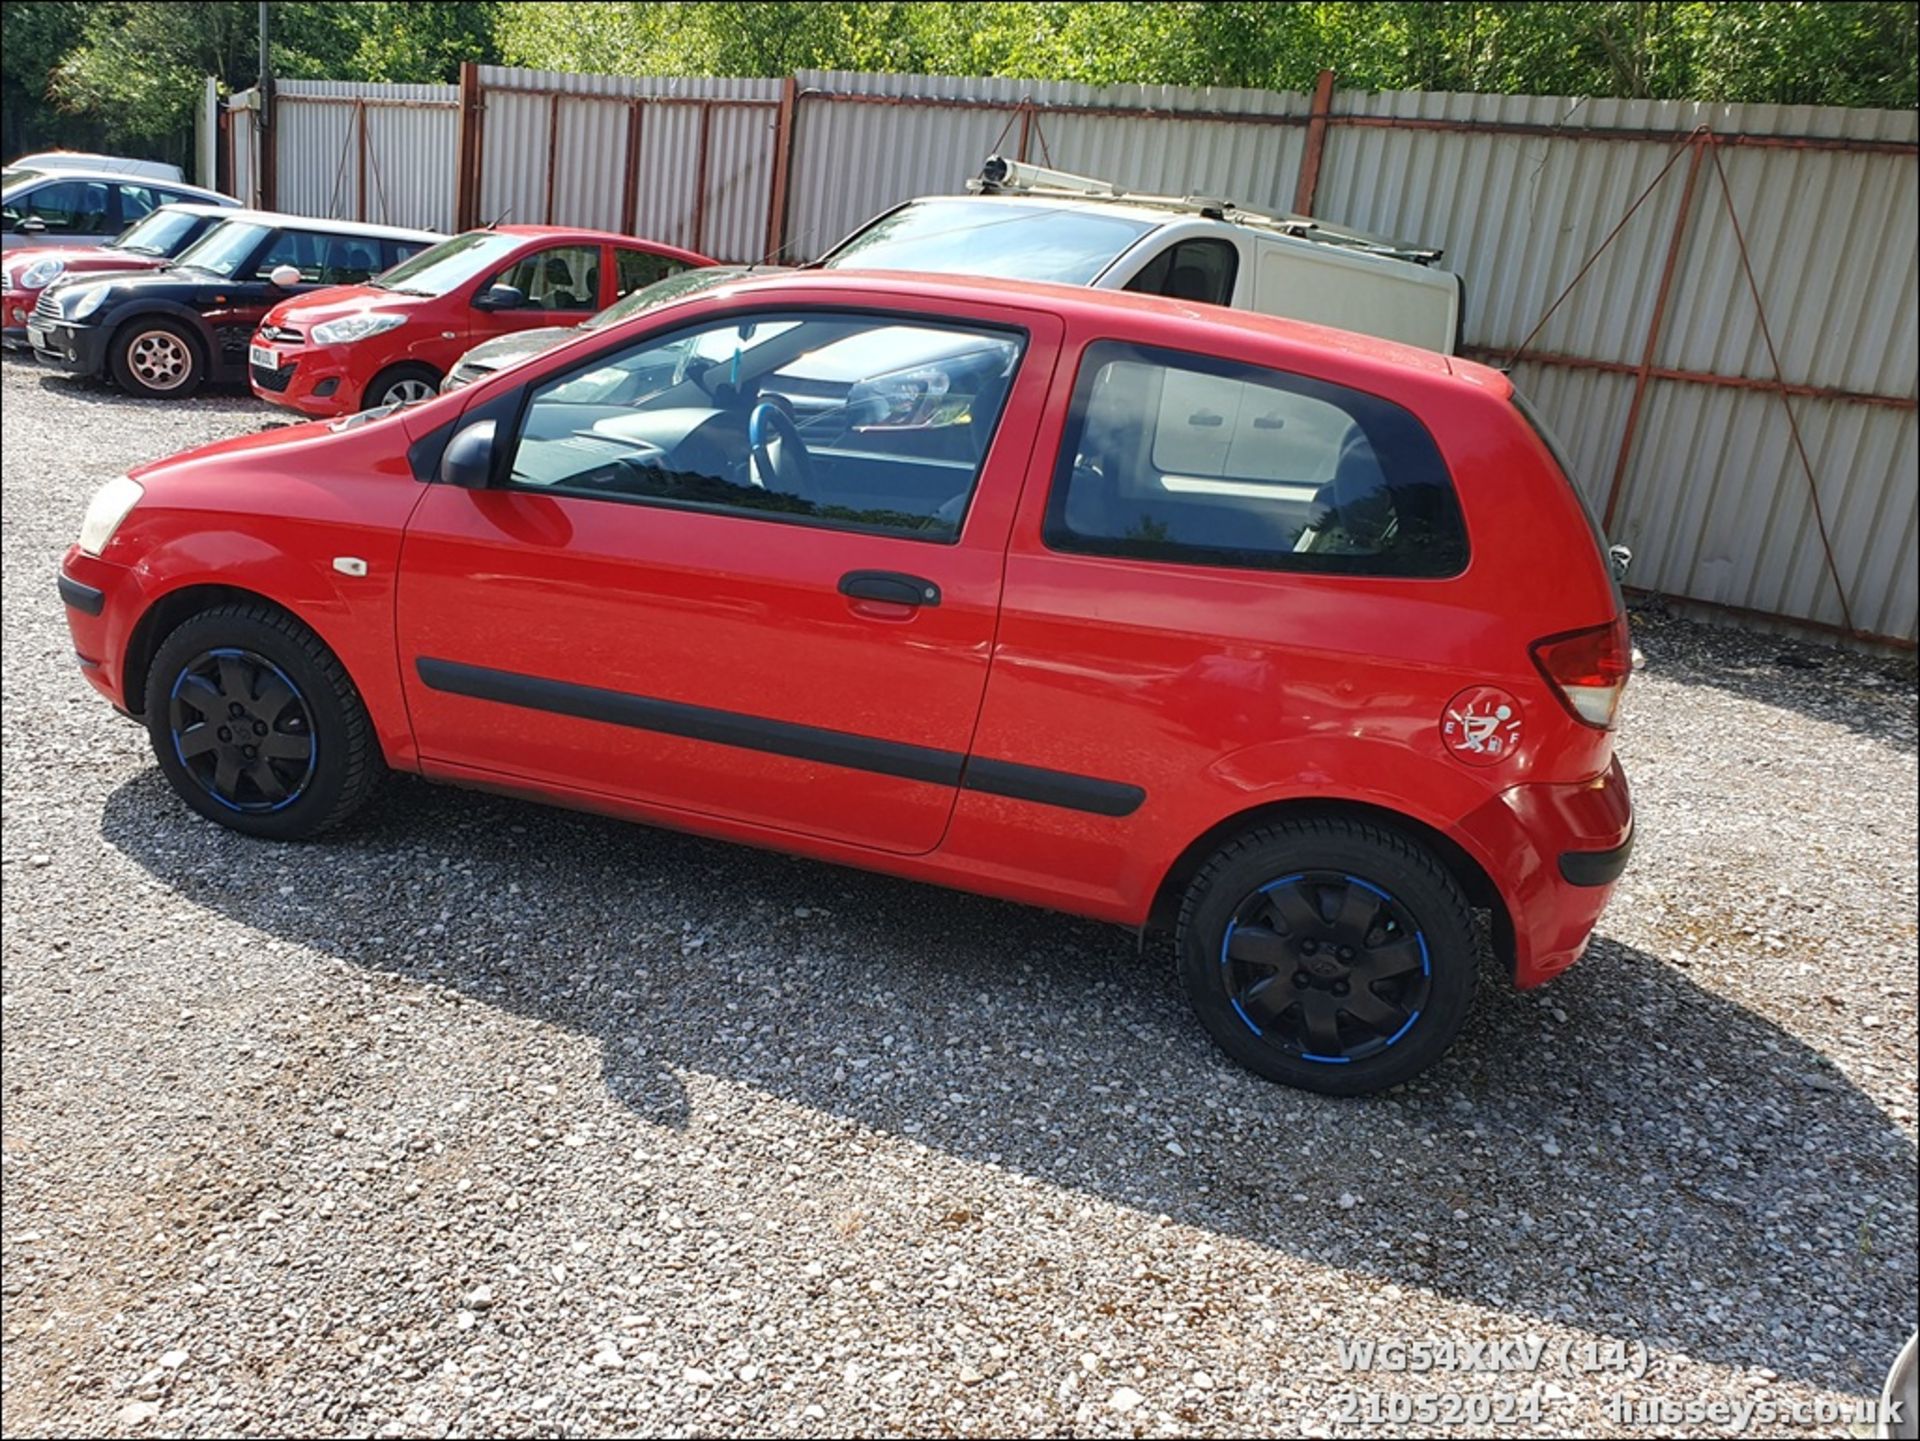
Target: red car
(1297, 642)
(147, 244)
(358, 347)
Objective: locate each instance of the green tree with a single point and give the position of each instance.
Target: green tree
(135, 69)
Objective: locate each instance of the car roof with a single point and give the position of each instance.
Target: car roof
(576, 232)
(1090, 306)
(329, 227)
(124, 177)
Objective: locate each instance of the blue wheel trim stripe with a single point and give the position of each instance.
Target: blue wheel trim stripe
(313, 751)
(1426, 968)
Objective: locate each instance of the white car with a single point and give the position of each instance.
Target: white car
(88, 160)
(1029, 223)
(84, 207)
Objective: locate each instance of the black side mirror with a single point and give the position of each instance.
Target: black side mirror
(468, 459)
(500, 297)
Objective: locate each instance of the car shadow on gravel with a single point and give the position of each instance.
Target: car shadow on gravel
(1624, 1151)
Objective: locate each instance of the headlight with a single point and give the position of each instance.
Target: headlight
(85, 302)
(354, 327)
(108, 508)
(36, 275)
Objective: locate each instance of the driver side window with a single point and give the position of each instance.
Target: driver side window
(855, 422)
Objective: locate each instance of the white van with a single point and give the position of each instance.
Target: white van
(1028, 223)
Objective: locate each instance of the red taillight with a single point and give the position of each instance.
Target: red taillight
(1588, 670)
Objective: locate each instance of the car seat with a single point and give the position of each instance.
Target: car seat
(352, 264)
(1190, 282)
(556, 282)
(1355, 509)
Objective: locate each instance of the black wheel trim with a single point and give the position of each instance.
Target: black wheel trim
(242, 730)
(1292, 946)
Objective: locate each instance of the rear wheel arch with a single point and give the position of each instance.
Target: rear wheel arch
(1467, 872)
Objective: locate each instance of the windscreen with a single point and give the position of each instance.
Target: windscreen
(976, 237)
(442, 268)
(224, 249)
(161, 232)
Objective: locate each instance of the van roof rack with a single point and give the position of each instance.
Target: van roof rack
(1001, 176)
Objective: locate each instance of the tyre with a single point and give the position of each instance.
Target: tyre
(398, 384)
(1332, 955)
(257, 725)
(157, 358)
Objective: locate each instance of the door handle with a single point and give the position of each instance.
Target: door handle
(891, 586)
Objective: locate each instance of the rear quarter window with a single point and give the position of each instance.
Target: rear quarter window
(1198, 460)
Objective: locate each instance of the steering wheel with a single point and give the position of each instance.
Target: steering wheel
(779, 454)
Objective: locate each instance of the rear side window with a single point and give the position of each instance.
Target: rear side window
(1202, 461)
(637, 269)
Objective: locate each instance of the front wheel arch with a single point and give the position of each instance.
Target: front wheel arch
(406, 369)
(165, 616)
(197, 336)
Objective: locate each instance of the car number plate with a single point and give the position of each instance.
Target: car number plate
(36, 337)
(263, 356)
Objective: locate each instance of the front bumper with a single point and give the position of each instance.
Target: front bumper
(80, 349)
(316, 380)
(15, 307)
(102, 602)
(1556, 853)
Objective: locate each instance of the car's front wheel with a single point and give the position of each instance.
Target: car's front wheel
(257, 724)
(1329, 954)
(157, 358)
(399, 385)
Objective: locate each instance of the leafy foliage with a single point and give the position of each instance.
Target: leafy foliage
(1737, 50)
(129, 73)
(126, 72)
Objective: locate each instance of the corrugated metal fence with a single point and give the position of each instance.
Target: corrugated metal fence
(1654, 368)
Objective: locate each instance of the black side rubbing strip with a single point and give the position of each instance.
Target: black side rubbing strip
(812, 743)
(1052, 788)
(727, 728)
(83, 598)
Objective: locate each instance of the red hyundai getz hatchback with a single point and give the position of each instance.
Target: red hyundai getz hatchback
(1295, 641)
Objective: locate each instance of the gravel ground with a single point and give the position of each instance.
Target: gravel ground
(484, 1118)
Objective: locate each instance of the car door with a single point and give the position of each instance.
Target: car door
(236, 307)
(561, 284)
(691, 590)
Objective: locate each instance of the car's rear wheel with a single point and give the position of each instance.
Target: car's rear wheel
(257, 724)
(157, 358)
(1329, 954)
(400, 384)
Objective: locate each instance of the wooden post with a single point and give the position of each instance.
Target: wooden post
(360, 182)
(1309, 182)
(630, 192)
(782, 167)
(700, 178)
(553, 150)
(1648, 351)
(466, 170)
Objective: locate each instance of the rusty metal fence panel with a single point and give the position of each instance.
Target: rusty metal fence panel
(1653, 368)
(686, 161)
(382, 153)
